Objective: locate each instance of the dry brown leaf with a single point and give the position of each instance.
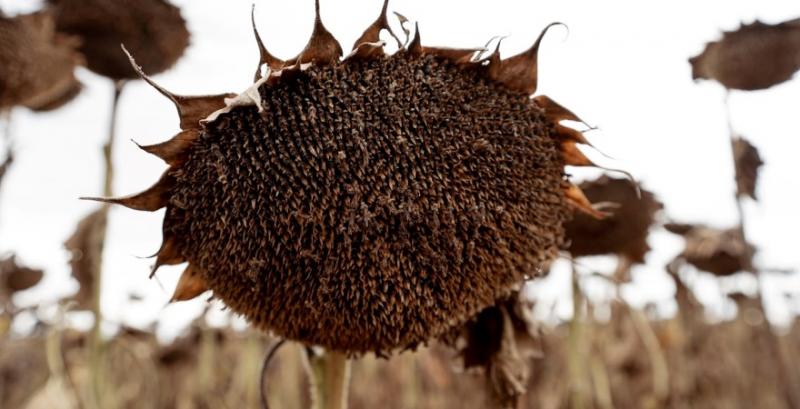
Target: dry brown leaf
(747, 162)
(756, 56)
(503, 341)
(86, 248)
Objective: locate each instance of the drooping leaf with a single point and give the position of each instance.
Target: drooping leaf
(85, 246)
(747, 162)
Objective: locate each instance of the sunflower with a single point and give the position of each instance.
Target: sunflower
(755, 56)
(37, 64)
(152, 29)
(366, 203)
(623, 232)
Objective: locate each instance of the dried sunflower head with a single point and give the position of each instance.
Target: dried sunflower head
(756, 56)
(624, 230)
(153, 30)
(37, 64)
(370, 203)
(720, 252)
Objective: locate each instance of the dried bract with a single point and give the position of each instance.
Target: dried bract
(747, 162)
(631, 212)
(719, 252)
(36, 64)
(503, 341)
(756, 56)
(364, 204)
(153, 30)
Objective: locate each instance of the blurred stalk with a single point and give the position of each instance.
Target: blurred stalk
(55, 359)
(658, 360)
(330, 376)
(5, 117)
(96, 345)
(746, 259)
(206, 362)
(577, 384)
(792, 385)
(602, 387)
(252, 370)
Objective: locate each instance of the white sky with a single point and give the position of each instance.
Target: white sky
(622, 67)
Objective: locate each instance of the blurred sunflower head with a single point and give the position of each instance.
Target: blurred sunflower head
(631, 213)
(153, 30)
(37, 64)
(721, 252)
(755, 56)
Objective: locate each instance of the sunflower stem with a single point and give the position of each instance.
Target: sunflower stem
(786, 372)
(330, 376)
(737, 198)
(577, 371)
(96, 345)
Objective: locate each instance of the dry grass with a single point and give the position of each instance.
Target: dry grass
(628, 362)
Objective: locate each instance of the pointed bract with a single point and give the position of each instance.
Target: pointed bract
(150, 200)
(322, 48)
(573, 156)
(415, 48)
(191, 109)
(265, 57)
(190, 285)
(372, 33)
(520, 72)
(168, 255)
(173, 151)
(577, 199)
(569, 134)
(555, 111)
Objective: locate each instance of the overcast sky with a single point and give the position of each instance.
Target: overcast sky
(621, 66)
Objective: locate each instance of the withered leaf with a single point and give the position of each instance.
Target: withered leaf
(747, 162)
(85, 246)
(502, 340)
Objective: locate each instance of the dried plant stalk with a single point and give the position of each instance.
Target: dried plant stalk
(96, 345)
(330, 378)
